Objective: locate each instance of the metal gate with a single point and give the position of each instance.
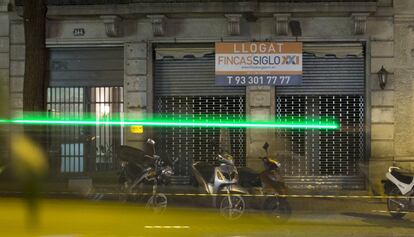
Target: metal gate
(184, 85)
(332, 87)
(85, 81)
(83, 149)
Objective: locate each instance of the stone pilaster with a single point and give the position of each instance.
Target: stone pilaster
(137, 77)
(4, 52)
(17, 59)
(380, 50)
(260, 103)
(404, 87)
(4, 5)
(4, 44)
(4, 77)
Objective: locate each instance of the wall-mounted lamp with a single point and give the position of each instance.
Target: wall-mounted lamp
(382, 77)
(295, 28)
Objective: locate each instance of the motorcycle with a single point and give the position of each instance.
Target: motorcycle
(221, 181)
(138, 168)
(401, 185)
(267, 183)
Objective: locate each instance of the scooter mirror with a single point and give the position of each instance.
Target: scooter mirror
(150, 141)
(174, 161)
(266, 146)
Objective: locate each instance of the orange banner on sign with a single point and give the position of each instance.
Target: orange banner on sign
(259, 48)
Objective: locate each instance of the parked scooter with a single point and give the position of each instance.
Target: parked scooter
(401, 185)
(138, 168)
(267, 182)
(222, 180)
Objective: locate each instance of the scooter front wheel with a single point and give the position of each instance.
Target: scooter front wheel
(277, 208)
(123, 191)
(157, 202)
(396, 205)
(232, 206)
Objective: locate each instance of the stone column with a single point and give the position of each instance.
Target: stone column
(137, 84)
(381, 131)
(17, 57)
(260, 105)
(4, 47)
(404, 85)
(4, 75)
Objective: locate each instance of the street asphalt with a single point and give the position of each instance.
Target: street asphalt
(101, 215)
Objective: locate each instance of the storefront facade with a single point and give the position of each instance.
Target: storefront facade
(157, 57)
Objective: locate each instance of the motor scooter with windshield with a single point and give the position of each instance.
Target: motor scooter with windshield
(221, 181)
(138, 168)
(401, 185)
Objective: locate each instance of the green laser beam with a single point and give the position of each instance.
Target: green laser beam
(215, 122)
(175, 124)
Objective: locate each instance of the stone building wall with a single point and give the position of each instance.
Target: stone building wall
(392, 112)
(388, 33)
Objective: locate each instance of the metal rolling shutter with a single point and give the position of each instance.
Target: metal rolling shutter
(332, 86)
(185, 84)
(329, 74)
(189, 76)
(86, 66)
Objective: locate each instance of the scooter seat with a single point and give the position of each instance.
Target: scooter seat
(402, 177)
(249, 178)
(206, 170)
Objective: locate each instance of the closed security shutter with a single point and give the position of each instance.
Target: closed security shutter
(189, 76)
(334, 86)
(325, 72)
(185, 85)
(86, 66)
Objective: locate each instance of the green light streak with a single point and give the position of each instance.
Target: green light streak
(202, 121)
(176, 124)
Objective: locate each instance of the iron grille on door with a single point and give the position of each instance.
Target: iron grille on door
(335, 87)
(79, 149)
(104, 103)
(200, 144)
(66, 142)
(323, 153)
